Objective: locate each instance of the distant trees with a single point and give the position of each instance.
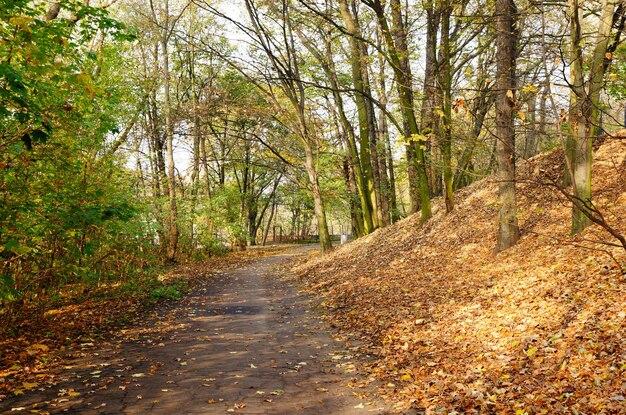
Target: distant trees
(324, 70)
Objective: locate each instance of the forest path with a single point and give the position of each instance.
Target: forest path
(244, 341)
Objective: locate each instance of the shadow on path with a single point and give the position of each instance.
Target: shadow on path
(242, 342)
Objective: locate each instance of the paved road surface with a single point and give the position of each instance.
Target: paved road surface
(244, 342)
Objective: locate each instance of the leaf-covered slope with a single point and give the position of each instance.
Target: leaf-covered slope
(539, 328)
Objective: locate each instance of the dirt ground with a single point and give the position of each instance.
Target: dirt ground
(245, 342)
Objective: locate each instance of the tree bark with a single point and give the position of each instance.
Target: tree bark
(357, 62)
(446, 93)
(508, 229)
(398, 56)
(585, 105)
(172, 223)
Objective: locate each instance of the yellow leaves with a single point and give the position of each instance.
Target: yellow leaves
(84, 78)
(406, 377)
(521, 115)
(510, 95)
(418, 137)
(88, 84)
(21, 22)
(531, 352)
(530, 88)
(39, 347)
(29, 385)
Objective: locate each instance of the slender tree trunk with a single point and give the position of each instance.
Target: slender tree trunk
(356, 215)
(508, 229)
(385, 165)
(269, 223)
(365, 126)
(171, 167)
(446, 93)
(481, 107)
(363, 212)
(530, 144)
(428, 120)
(398, 54)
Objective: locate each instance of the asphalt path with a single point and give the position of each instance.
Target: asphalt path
(245, 341)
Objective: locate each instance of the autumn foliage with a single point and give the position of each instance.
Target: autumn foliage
(537, 329)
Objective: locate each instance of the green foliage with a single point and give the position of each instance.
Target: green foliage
(169, 292)
(67, 214)
(165, 292)
(616, 82)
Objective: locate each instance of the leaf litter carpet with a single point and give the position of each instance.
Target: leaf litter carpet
(456, 329)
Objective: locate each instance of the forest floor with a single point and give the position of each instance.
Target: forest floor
(242, 341)
(456, 329)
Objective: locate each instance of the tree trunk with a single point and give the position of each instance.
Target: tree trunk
(269, 223)
(508, 229)
(585, 105)
(172, 225)
(318, 203)
(446, 92)
(364, 116)
(427, 115)
(530, 142)
(398, 55)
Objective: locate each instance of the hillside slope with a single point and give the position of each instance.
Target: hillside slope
(539, 328)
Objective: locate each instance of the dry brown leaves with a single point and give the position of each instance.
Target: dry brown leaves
(539, 328)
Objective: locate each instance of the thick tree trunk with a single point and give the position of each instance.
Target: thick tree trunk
(585, 105)
(578, 145)
(508, 229)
